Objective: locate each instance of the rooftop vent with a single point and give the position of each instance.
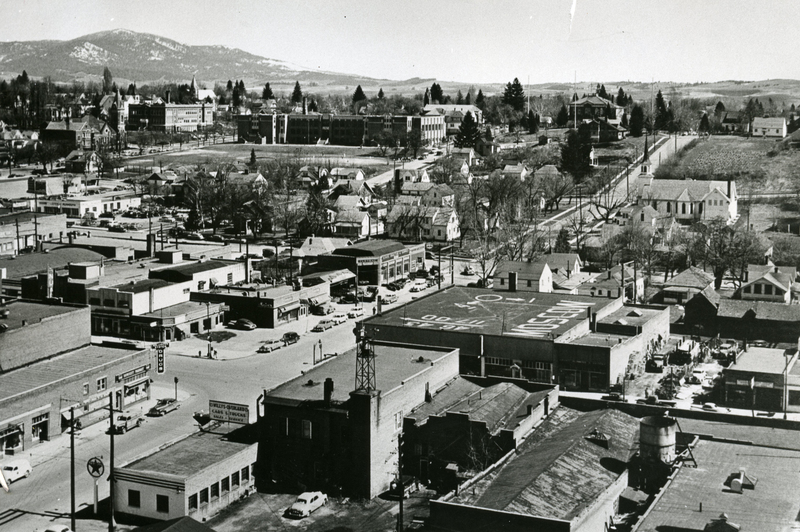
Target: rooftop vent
(598, 438)
(636, 312)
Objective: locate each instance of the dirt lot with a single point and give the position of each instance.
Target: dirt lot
(263, 511)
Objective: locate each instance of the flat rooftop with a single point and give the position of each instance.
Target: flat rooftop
(144, 285)
(33, 312)
(46, 372)
(636, 315)
(33, 263)
(393, 365)
(179, 309)
(772, 505)
(483, 311)
(600, 339)
(762, 360)
(190, 455)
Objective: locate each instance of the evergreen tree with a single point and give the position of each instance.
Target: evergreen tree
(792, 109)
(459, 97)
(313, 107)
(252, 157)
(662, 117)
(242, 90)
(380, 94)
(427, 98)
(563, 116)
(479, 99)
(229, 87)
(562, 241)
(468, 99)
(468, 132)
(575, 156)
(358, 95)
(236, 98)
(266, 93)
(720, 108)
(602, 92)
(114, 88)
(624, 121)
(637, 121)
(297, 93)
(575, 97)
(131, 89)
(622, 100)
(533, 122)
(437, 96)
(705, 126)
(514, 95)
(108, 80)
(24, 78)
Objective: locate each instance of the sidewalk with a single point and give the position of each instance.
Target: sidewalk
(58, 446)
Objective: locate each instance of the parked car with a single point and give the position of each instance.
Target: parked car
(613, 396)
(125, 422)
(16, 469)
(57, 528)
(339, 317)
(323, 325)
(116, 228)
(245, 324)
(215, 238)
(710, 407)
(106, 214)
(270, 345)
(290, 337)
(322, 310)
(355, 312)
(193, 236)
(306, 503)
(163, 407)
(468, 270)
(388, 299)
(697, 377)
(276, 242)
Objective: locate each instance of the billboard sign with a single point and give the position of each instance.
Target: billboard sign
(229, 412)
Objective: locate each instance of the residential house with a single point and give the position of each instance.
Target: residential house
(689, 200)
(468, 154)
(454, 114)
(86, 133)
(600, 130)
(562, 263)
(253, 181)
(769, 127)
(82, 162)
(731, 122)
(520, 276)
(315, 176)
(422, 222)
(617, 281)
(776, 284)
(356, 224)
(748, 319)
(684, 286)
(592, 107)
(353, 187)
(517, 171)
(355, 174)
(402, 175)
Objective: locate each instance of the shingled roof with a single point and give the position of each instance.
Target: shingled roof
(673, 189)
(692, 277)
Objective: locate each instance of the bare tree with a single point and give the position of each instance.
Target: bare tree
(605, 200)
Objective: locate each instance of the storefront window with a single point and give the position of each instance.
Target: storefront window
(39, 427)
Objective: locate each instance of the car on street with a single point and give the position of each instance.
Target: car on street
(613, 396)
(710, 407)
(16, 469)
(163, 407)
(322, 310)
(276, 242)
(117, 228)
(215, 238)
(468, 270)
(388, 299)
(125, 422)
(697, 377)
(323, 325)
(355, 312)
(306, 503)
(245, 324)
(339, 317)
(290, 337)
(193, 236)
(271, 345)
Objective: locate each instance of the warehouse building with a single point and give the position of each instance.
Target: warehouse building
(764, 379)
(197, 477)
(375, 262)
(580, 343)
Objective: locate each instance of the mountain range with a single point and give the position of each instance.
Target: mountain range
(143, 57)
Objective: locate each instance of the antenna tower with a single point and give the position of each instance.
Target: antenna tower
(365, 361)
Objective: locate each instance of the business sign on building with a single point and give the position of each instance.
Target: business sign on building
(368, 261)
(229, 412)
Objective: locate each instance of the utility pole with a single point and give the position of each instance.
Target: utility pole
(72, 466)
(400, 487)
(112, 430)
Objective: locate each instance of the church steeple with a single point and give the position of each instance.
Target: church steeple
(193, 87)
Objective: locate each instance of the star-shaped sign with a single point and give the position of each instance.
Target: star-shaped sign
(95, 467)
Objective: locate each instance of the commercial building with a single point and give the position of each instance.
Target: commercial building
(568, 476)
(90, 206)
(197, 477)
(376, 262)
(318, 432)
(40, 380)
(578, 342)
(763, 379)
(170, 117)
(25, 230)
(204, 274)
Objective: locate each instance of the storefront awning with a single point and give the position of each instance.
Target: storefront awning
(294, 305)
(319, 300)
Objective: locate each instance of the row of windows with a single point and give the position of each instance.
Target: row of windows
(226, 484)
(135, 501)
(768, 289)
(102, 385)
(297, 428)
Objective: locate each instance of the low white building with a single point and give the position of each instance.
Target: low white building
(90, 206)
(196, 477)
(688, 200)
(769, 127)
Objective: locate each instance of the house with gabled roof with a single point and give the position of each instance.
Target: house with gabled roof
(356, 224)
(593, 106)
(775, 284)
(82, 162)
(353, 187)
(523, 276)
(769, 127)
(356, 174)
(422, 222)
(689, 200)
(686, 284)
(518, 171)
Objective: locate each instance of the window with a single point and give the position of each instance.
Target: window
(85, 388)
(794, 397)
(306, 429)
(186, 290)
(193, 502)
(102, 383)
(94, 300)
(245, 474)
(214, 490)
(134, 498)
(757, 289)
(204, 496)
(529, 283)
(162, 504)
(502, 281)
(746, 289)
(108, 302)
(768, 289)
(398, 420)
(235, 479)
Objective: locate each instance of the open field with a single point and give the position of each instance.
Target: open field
(755, 164)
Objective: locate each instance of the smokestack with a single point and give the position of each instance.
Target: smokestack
(327, 388)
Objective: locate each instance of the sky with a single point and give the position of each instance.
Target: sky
(488, 41)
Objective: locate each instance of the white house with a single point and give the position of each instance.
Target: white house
(689, 200)
(769, 127)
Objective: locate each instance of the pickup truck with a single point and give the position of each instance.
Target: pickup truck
(163, 407)
(126, 422)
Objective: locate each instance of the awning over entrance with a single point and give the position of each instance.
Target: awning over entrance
(318, 300)
(294, 305)
(338, 276)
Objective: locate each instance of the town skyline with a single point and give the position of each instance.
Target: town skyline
(537, 42)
